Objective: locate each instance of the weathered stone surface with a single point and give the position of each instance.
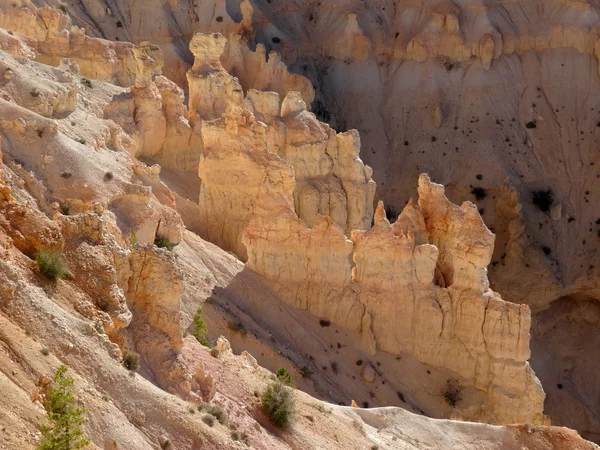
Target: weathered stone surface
(461, 325)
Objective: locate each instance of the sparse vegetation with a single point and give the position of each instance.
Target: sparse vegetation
(64, 8)
(87, 83)
(108, 176)
(131, 361)
(453, 392)
(199, 330)
(163, 242)
(216, 411)
(65, 417)
(45, 351)
(34, 93)
(531, 124)
(51, 264)
(237, 327)
(543, 199)
(208, 419)
(324, 322)
(278, 404)
(305, 372)
(478, 192)
(239, 436)
(132, 238)
(64, 209)
(284, 376)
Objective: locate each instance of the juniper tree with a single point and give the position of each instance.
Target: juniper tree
(64, 432)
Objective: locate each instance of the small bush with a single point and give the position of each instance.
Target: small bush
(87, 83)
(131, 361)
(119, 24)
(34, 93)
(45, 352)
(217, 411)
(64, 209)
(237, 327)
(82, 141)
(324, 323)
(239, 436)
(64, 8)
(51, 264)
(531, 124)
(543, 199)
(108, 176)
(453, 392)
(132, 238)
(163, 242)
(284, 376)
(278, 404)
(208, 419)
(479, 192)
(306, 372)
(200, 330)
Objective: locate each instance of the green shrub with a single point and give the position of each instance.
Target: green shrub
(453, 392)
(66, 419)
(64, 8)
(131, 361)
(237, 327)
(531, 124)
(278, 404)
(64, 209)
(478, 192)
(132, 238)
(239, 436)
(51, 264)
(45, 351)
(217, 411)
(284, 376)
(543, 199)
(208, 419)
(200, 330)
(163, 242)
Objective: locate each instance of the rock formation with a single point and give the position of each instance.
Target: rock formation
(286, 150)
(103, 162)
(430, 299)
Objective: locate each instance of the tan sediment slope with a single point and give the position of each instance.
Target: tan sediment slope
(74, 135)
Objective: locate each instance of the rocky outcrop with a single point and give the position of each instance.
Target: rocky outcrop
(257, 70)
(430, 299)
(49, 37)
(99, 266)
(242, 156)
